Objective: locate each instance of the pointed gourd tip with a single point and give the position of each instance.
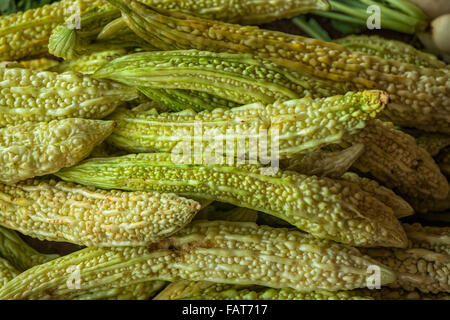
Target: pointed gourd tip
(387, 276)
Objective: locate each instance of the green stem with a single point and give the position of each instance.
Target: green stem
(392, 14)
(316, 26)
(303, 25)
(408, 8)
(390, 17)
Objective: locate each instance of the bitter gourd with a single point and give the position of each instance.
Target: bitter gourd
(26, 34)
(7, 272)
(416, 268)
(19, 253)
(30, 95)
(88, 64)
(140, 291)
(178, 100)
(281, 129)
(240, 78)
(419, 96)
(40, 64)
(391, 49)
(335, 210)
(427, 237)
(35, 149)
(393, 158)
(59, 211)
(387, 196)
(386, 293)
(224, 252)
(275, 294)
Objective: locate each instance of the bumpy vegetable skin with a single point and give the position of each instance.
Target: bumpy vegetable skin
(178, 100)
(7, 272)
(287, 128)
(236, 214)
(223, 252)
(19, 253)
(387, 196)
(69, 41)
(419, 96)
(335, 210)
(242, 11)
(35, 149)
(237, 77)
(140, 291)
(394, 158)
(60, 211)
(89, 63)
(275, 294)
(386, 293)
(40, 64)
(391, 49)
(416, 268)
(26, 34)
(428, 237)
(30, 95)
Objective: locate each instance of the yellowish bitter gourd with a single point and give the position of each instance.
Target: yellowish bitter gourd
(203, 290)
(240, 78)
(386, 293)
(419, 96)
(391, 49)
(283, 128)
(416, 268)
(60, 211)
(26, 34)
(40, 64)
(193, 290)
(394, 158)
(387, 196)
(330, 209)
(275, 294)
(428, 237)
(224, 252)
(30, 95)
(89, 63)
(19, 253)
(24, 257)
(242, 11)
(102, 27)
(35, 149)
(7, 272)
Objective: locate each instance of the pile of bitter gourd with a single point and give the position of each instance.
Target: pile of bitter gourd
(90, 154)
